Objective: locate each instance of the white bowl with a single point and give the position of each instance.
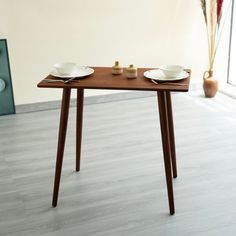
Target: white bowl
(171, 70)
(65, 68)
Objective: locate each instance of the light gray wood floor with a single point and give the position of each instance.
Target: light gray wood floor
(121, 188)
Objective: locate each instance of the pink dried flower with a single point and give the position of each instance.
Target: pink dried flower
(219, 10)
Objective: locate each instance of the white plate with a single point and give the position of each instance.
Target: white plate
(80, 71)
(156, 74)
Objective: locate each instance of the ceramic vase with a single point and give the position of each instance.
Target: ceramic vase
(210, 85)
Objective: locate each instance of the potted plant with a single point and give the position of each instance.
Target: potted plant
(212, 12)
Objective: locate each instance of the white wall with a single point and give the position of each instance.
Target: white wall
(96, 33)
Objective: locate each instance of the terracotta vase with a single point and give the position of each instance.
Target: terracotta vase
(210, 85)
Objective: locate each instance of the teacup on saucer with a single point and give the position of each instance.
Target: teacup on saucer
(65, 68)
(171, 70)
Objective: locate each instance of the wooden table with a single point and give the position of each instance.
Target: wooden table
(103, 79)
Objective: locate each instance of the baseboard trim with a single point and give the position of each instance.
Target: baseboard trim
(41, 106)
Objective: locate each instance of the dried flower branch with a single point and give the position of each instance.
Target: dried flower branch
(203, 4)
(212, 12)
(219, 10)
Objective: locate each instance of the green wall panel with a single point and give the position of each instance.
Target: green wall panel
(7, 105)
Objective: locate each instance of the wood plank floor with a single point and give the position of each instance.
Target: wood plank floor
(121, 188)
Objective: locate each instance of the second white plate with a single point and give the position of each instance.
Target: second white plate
(156, 74)
(80, 71)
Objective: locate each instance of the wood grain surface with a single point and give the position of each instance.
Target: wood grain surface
(103, 79)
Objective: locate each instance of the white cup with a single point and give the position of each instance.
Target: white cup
(65, 68)
(171, 70)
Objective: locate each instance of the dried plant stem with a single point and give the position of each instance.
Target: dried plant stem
(221, 30)
(212, 31)
(209, 44)
(212, 11)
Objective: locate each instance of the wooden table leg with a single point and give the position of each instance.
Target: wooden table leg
(171, 133)
(163, 113)
(61, 142)
(79, 125)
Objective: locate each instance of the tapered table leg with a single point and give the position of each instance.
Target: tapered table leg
(171, 133)
(61, 142)
(79, 125)
(163, 113)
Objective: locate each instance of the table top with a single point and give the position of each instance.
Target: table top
(102, 78)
